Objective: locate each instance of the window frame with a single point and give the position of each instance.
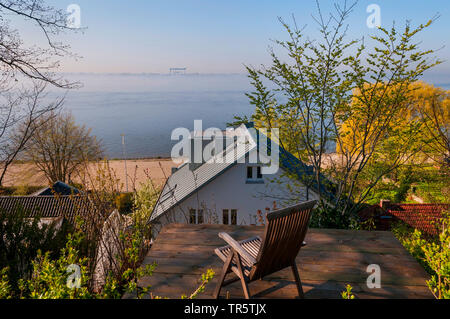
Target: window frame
(196, 216)
(250, 172)
(233, 219)
(225, 212)
(259, 174)
(258, 178)
(192, 216)
(231, 216)
(200, 217)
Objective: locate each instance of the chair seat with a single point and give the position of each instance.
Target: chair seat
(251, 245)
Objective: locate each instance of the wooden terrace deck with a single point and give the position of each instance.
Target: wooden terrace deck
(331, 260)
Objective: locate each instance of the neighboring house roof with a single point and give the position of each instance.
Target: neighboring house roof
(57, 188)
(185, 181)
(424, 217)
(48, 206)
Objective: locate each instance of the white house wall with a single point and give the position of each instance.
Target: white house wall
(230, 190)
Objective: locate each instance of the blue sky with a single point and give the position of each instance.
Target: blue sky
(210, 36)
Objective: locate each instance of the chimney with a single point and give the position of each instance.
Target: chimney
(385, 203)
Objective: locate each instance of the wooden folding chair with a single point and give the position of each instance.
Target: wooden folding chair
(256, 257)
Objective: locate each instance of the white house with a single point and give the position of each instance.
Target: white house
(231, 192)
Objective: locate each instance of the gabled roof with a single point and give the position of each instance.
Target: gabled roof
(184, 181)
(57, 188)
(47, 206)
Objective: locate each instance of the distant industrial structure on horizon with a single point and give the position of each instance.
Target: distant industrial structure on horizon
(177, 70)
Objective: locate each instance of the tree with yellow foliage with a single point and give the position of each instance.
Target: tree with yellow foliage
(433, 105)
(421, 122)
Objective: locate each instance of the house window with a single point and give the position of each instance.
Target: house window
(192, 216)
(249, 172)
(258, 172)
(233, 217)
(225, 217)
(254, 177)
(229, 216)
(196, 216)
(200, 216)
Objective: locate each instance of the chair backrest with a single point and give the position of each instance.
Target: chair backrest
(284, 234)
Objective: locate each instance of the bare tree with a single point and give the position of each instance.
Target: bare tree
(33, 62)
(25, 70)
(59, 147)
(19, 115)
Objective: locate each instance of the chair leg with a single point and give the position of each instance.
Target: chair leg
(298, 281)
(225, 269)
(245, 288)
(243, 279)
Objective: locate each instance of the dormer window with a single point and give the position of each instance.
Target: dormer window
(254, 175)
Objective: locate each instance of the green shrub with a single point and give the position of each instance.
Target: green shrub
(406, 179)
(21, 239)
(50, 278)
(24, 190)
(144, 201)
(432, 253)
(331, 217)
(21, 190)
(5, 288)
(412, 240)
(124, 203)
(47, 259)
(347, 293)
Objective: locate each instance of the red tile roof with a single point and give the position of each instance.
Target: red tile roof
(424, 217)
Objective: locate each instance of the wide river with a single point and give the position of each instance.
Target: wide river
(147, 107)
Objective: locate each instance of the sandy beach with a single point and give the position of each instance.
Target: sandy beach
(138, 172)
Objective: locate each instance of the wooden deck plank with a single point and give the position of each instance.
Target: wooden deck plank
(307, 256)
(308, 271)
(174, 286)
(331, 260)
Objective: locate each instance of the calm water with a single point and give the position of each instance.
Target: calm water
(146, 108)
